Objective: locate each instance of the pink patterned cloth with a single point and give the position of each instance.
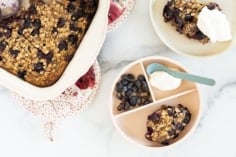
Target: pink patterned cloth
(73, 100)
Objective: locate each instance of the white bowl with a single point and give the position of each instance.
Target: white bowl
(84, 57)
(183, 45)
(132, 124)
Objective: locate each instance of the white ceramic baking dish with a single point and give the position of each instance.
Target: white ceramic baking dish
(84, 57)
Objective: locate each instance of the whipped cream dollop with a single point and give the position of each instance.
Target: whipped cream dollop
(214, 24)
(163, 81)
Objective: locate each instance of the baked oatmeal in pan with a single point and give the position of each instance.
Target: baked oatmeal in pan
(38, 43)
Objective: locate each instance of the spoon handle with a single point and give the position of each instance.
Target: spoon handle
(194, 78)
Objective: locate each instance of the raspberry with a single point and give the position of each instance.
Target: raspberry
(87, 80)
(115, 11)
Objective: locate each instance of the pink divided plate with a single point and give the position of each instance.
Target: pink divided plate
(132, 123)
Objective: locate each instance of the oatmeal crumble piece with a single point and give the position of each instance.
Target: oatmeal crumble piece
(166, 124)
(183, 15)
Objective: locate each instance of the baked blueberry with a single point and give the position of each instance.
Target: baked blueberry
(62, 45)
(21, 74)
(3, 45)
(70, 8)
(37, 23)
(14, 53)
(73, 39)
(35, 32)
(38, 67)
(32, 9)
(61, 22)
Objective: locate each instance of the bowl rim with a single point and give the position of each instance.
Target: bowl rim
(82, 58)
(188, 134)
(157, 32)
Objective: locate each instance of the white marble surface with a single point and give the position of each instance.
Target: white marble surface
(91, 133)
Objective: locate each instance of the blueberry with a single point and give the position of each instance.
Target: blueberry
(144, 86)
(37, 23)
(21, 74)
(20, 31)
(91, 3)
(129, 92)
(48, 57)
(73, 39)
(176, 12)
(175, 136)
(154, 117)
(199, 35)
(165, 142)
(146, 101)
(27, 23)
(14, 53)
(76, 15)
(126, 106)
(70, 8)
(133, 100)
(119, 87)
(170, 111)
(130, 85)
(62, 45)
(61, 22)
(187, 118)
(38, 67)
(124, 82)
(135, 89)
(73, 27)
(168, 13)
(40, 53)
(35, 32)
(124, 89)
(3, 45)
(188, 17)
(149, 130)
(179, 126)
(7, 34)
(141, 78)
(171, 132)
(180, 24)
(32, 9)
(138, 83)
(148, 137)
(129, 77)
(54, 30)
(212, 6)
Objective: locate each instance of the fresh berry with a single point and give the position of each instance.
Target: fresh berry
(87, 80)
(114, 12)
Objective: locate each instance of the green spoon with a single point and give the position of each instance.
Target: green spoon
(182, 75)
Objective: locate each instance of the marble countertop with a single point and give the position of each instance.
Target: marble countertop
(91, 133)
